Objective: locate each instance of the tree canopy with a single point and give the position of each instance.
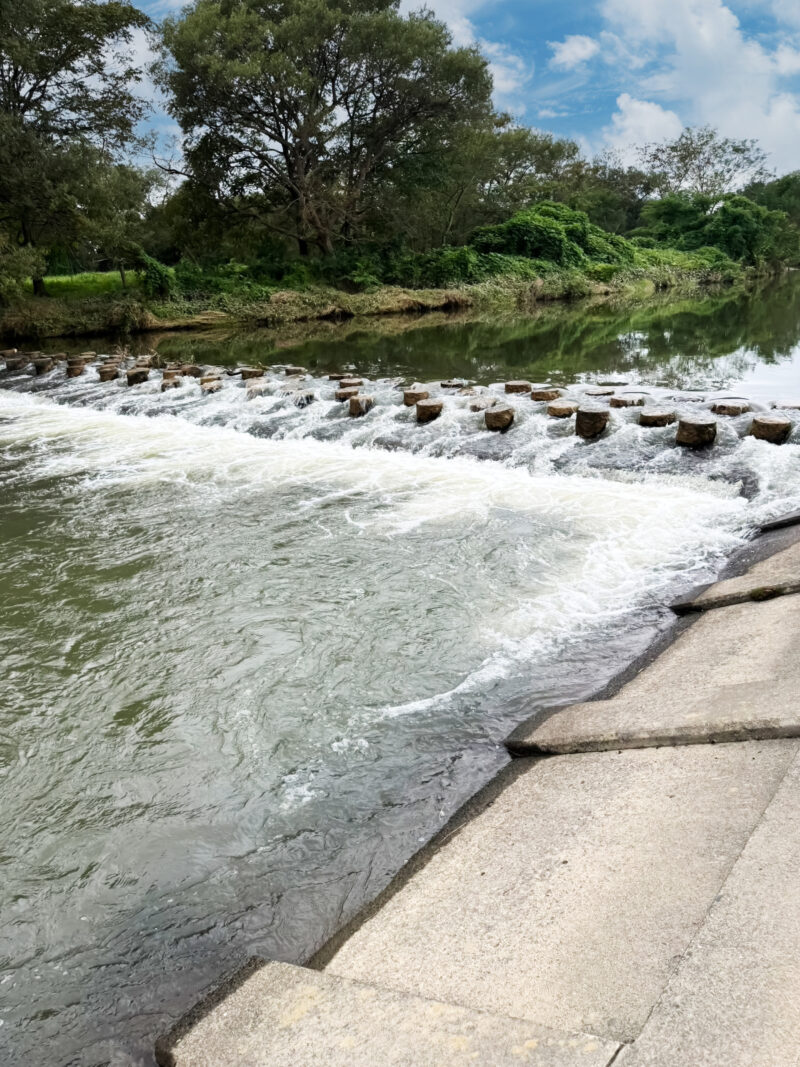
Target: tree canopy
(306, 106)
(66, 105)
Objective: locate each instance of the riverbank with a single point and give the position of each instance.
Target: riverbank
(128, 312)
(625, 891)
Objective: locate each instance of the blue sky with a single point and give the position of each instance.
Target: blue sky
(614, 73)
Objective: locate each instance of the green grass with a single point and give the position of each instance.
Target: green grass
(85, 286)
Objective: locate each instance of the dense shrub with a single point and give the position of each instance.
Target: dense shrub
(155, 279)
(556, 233)
(741, 229)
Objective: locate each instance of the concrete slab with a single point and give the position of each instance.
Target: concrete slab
(569, 899)
(284, 1016)
(792, 518)
(733, 675)
(777, 575)
(734, 1001)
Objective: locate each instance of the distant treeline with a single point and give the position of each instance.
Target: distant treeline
(335, 142)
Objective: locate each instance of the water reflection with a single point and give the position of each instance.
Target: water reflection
(726, 338)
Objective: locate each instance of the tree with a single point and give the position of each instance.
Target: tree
(117, 203)
(700, 161)
(301, 108)
(65, 105)
(783, 194)
(477, 175)
(740, 228)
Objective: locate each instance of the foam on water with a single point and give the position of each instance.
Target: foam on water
(636, 533)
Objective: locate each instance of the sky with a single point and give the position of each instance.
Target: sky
(612, 74)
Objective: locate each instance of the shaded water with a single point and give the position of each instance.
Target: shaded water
(254, 655)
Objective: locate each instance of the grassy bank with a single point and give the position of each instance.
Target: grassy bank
(88, 304)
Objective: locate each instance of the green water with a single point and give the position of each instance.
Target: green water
(726, 337)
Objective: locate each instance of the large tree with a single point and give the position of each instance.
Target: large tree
(701, 161)
(299, 108)
(65, 105)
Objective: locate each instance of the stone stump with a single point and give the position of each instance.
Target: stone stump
(170, 383)
(561, 409)
(192, 370)
(108, 372)
(301, 398)
(336, 377)
(590, 421)
(290, 372)
(429, 409)
(211, 385)
(75, 369)
(518, 387)
(345, 394)
(360, 405)
(499, 417)
(696, 431)
(628, 400)
(656, 417)
(138, 375)
(43, 364)
(351, 383)
(413, 395)
(731, 407)
(481, 403)
(600, 390)
(545, 393)
(258, 387)
(772, 428)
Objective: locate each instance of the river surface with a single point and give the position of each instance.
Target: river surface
(255, 655)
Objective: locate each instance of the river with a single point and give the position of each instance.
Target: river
(255, 655)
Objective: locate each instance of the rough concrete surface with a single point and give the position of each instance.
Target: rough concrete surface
(781, 571)
(734, 1001)
(733, 675)
(285, 1016)
(570, 899)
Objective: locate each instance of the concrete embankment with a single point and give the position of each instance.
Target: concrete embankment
(627, 890)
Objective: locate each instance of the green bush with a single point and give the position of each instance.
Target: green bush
(155, 279)
(555, 233)
(739, 228)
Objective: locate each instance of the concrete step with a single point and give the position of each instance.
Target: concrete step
(777, 575)
(734, 1001)
(569, 899)
(285, 1016)
(732, 675)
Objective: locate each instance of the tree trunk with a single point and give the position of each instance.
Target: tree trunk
(38, 287)
(123, 277)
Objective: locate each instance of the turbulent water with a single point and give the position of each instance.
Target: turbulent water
(253, 655)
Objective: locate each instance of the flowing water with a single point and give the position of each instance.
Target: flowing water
(254, 655)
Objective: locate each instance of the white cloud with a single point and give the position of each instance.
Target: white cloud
(787, 11)
(510, 72)
(573, 51)
(705, 65)
(636, 122)
(787, 60)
